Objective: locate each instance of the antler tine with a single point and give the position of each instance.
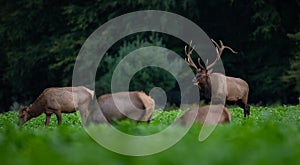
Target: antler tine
(227, 47)
(188, 53)
(219, 49)
(201, 66)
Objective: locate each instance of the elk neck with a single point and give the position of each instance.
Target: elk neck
(207, 88)
(34, 111)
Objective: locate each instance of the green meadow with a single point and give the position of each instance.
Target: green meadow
(271, 135)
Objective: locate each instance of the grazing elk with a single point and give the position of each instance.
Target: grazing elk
(117, 106)
(218, 114)
(57, 101)
(237, 90)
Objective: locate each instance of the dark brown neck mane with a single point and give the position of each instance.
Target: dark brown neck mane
(207, 89)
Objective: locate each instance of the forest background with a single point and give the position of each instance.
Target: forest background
(40, 40)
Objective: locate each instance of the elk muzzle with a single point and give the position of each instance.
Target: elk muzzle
(195, 81)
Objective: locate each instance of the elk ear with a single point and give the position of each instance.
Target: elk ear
(22, 107)
(209, 71)
(27, 108)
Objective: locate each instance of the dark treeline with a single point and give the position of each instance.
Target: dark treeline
(40, 40)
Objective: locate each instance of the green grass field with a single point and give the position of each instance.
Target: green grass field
(271, 135)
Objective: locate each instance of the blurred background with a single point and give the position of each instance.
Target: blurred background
(40, 40)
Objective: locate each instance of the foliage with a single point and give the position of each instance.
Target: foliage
(39, 50)
(269, 136)
(144, 79)
(292, 76)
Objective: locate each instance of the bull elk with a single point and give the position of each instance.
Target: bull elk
(218, 114)
(57, 101)
(117, 106)
(237, 90)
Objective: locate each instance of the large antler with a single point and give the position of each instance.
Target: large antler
(219, 49)
(189, 59)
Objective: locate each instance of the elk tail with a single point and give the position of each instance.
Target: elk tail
(91, 92)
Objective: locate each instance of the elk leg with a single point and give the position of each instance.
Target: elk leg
(84, 115)
(58, 116)
(83, 110)
(247, 109)
(48, 117)
(149, 119)
(244, 106)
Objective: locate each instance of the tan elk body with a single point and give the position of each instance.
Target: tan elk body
(210, 114)
(117, 106)
(57, 101)
(236, 89)
(231, 88)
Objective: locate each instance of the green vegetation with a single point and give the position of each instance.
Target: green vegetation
(271, 135)
(39, 51)
(40, 40)
(145, 79)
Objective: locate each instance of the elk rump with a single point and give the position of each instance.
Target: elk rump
(218, 114)
(117, 106)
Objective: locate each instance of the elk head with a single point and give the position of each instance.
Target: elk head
(23, 114)
(202, 79)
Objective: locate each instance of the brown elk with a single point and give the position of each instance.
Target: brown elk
(57, 101)
(218, 114)
(236, 89)
(299, 99)
(117, 106)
